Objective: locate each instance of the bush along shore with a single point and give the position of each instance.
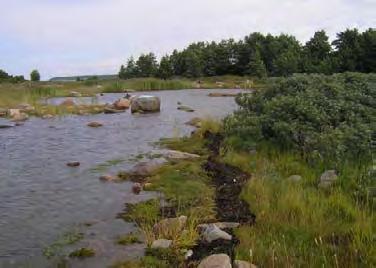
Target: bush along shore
(278, 183)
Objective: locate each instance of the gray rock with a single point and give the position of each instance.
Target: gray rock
(144, 169)
(161, 243)
(3, 112)
(137, 188)
(216, 261)
(107, 178)
(195, 122)
(146, 104)
(20, 117)
(243, 264)
(122, 104)
(328, 178)
(75, 94)
(295, 178)
(212, 233)
(94, 124)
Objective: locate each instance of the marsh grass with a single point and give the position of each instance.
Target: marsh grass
(128, 239)
(298, 224)
(68, 238)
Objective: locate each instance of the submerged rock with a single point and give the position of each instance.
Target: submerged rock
(107, 178)
(68, 102)
(20, 117)
(216, 261)
(3, 112)
(47, 116)
(185, 108)
(161, 243)
(222, 94)
(73, 164)
(145, 103)
(95, 124)
(195, 122)
(328, 178)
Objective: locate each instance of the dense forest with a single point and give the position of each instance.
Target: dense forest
(261, 55)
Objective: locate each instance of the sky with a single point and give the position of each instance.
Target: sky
(78, 37)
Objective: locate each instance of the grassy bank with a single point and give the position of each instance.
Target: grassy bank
(12, 95)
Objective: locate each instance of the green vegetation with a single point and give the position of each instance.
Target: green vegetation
(304, 125)
(34, 76)
(82, 253)
(68, 238)
(128, 239)
(261, 55)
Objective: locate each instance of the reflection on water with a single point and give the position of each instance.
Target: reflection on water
(41, 198)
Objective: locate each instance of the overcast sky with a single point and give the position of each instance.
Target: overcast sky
(75, 37)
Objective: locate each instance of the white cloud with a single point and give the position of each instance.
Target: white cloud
(70, 37)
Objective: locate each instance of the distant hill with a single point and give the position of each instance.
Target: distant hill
(82, 78)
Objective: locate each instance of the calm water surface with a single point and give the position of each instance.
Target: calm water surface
(41, 198)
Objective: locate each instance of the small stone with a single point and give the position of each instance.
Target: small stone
(328, 178)
(136, 188)
(170, 225)
(107, 178)
(161, 243)
(47, 116)
(68, 102)
(188, 254)
(212, 233)
(73, 164)
(216, 261)
(185, 108)
(295, 178)
(94, 124)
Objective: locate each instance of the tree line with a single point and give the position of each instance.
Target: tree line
(261, 55)
(5, 77)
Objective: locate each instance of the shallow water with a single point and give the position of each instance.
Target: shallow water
(41, 198)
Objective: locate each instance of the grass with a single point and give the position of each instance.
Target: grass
(128, 239)
(299, 225)
(68, 238)
(82, 253)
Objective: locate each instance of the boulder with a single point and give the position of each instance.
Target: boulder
(13, 112)
(243, 264)
(216, 261)
(68, 102)
(94, 124)
(146, 104)
(211, 233)
(222, 94)
(161, 244)
(122, 104)
(73, 164)
(328, 178)
(295, 178)
(185, 108)
(137, 188)
(168, 227)
(20, 117)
